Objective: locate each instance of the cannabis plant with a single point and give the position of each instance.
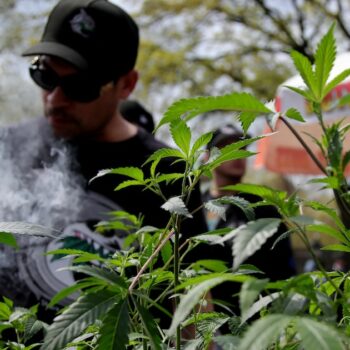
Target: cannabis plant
(115, 309)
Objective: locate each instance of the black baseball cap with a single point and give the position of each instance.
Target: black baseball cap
(95, 36)
(135, 113)
(226, 134)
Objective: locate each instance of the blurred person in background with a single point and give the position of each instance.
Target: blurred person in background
(134, 112)
(277, 263)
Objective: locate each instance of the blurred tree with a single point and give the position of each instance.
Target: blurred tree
(217, 46)
(20, 22)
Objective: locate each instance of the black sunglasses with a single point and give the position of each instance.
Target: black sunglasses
(77, 87)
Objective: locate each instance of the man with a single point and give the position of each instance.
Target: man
(277, 263)
(85, 66)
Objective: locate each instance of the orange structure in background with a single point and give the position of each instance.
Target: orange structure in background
(281, 152)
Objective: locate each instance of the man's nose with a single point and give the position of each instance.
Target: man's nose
(57, 98)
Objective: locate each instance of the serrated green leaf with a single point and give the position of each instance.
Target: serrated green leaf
(63, 293)
(337, 248)
(115, 328)
(259, 305)
(169, 177)
(128, 183)
(207, 326)
(241, 203)
(330, 181)
(31, 328)
(268, 194)
(147, 229)
(324, 61)
(250, 237)
(164, 153)
(189, 108)
(211, 265)
(217, 208)
(132, 172)
(202, 141)
(181, 135)
(105, 275)
(247, 118)
(192, 298)
(258, 190)
(85, 256)
(74, 320)
(264, 332)
(304, 67)
(8, 302)
(336, 81)
(328, 230)
(282, 237)
(317, 335)
(100, 173)
(209, 238)
(293, 113)
(166, 252)
(302, 92)
(23, 228)
(5, 325)
(32, 346)
(249, 292)
(5, 311)
(176, 205)
(304, 220)
(8, 239)
(150, 326)
(227, 154)
(343, 101)
(327, 210)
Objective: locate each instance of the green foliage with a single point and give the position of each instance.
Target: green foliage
(176, 205)
(113, 333)
(189, 108)
(118, 293)
(21, 322)
(72, 322)
(8, 239)
(249, 238)
(249, 292)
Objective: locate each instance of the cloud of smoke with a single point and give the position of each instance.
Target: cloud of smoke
(46, 193)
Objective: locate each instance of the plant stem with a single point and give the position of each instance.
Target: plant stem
(343, 206)
(143, 268)
(304, 238)
(176, 283)
(307, 148)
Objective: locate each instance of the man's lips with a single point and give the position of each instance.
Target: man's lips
(59, 119)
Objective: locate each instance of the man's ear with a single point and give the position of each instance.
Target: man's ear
(128, 83)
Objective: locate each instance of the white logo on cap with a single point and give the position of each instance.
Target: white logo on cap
(82, 24)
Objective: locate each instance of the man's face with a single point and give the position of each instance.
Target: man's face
(232, 168)
(69, 118)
